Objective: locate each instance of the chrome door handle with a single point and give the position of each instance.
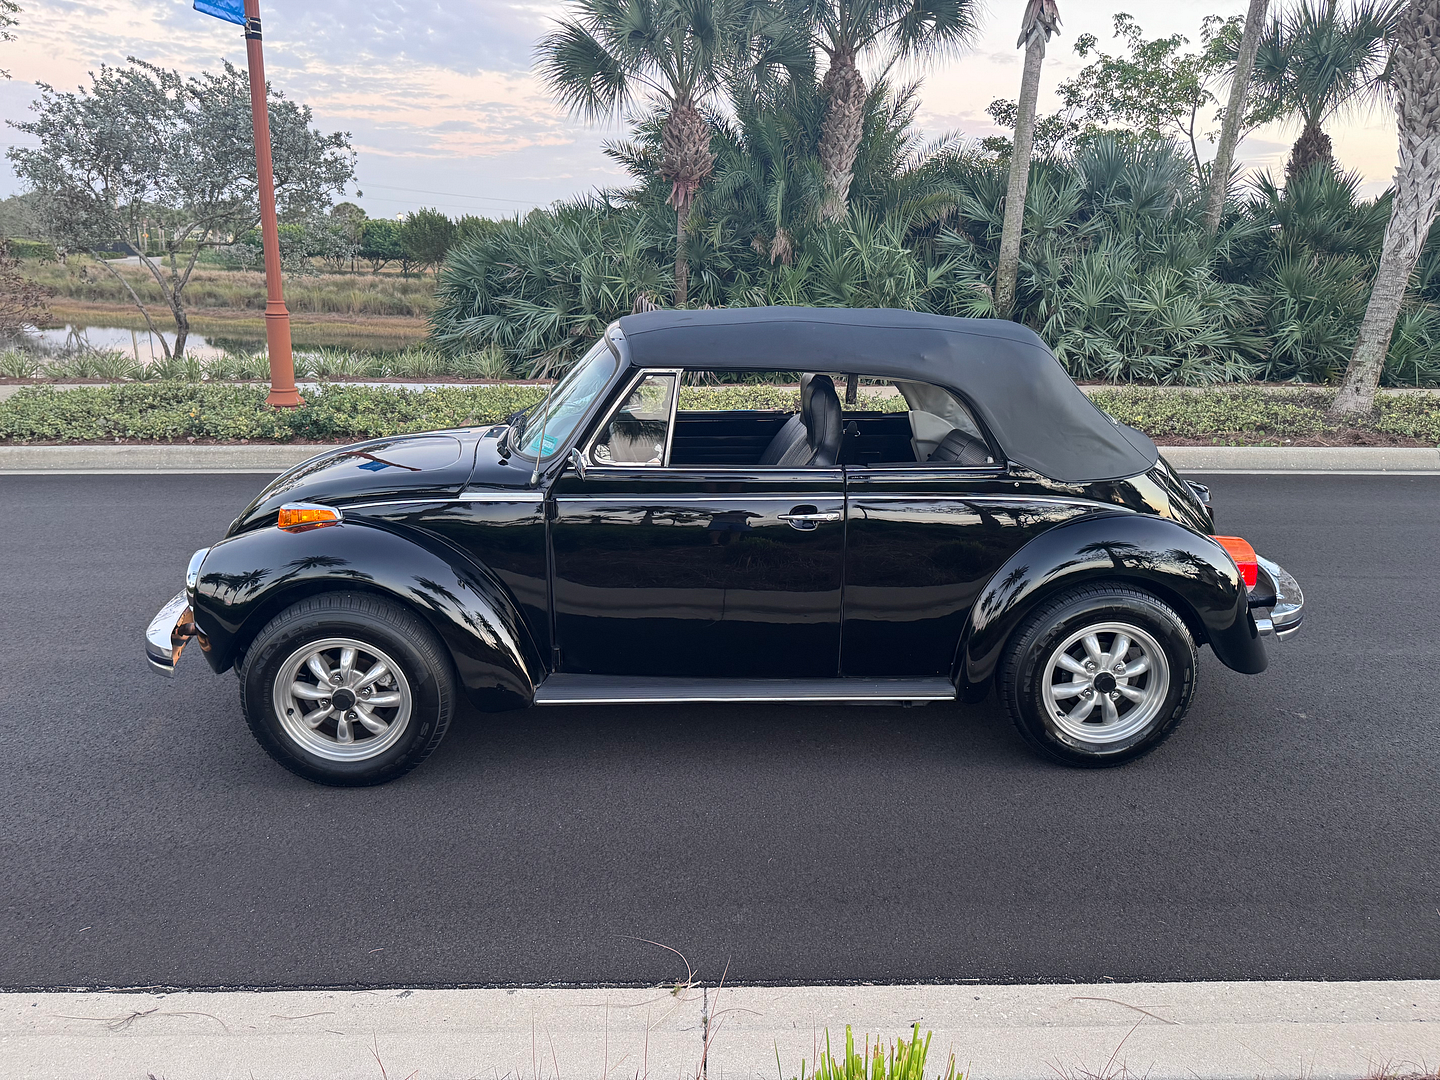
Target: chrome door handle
(806, 521)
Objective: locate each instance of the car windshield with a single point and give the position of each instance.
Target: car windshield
(554, 420)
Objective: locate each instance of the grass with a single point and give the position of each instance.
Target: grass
(167, 411)
(903, 1061)
(82, 279)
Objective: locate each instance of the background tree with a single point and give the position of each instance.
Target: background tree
(380, 243)
(426, 235)
(347, 221)
(1320, 59)
(1155, 89)
(1235, 111)
(143, 146)
(22, 300)
(1415, 84)
(8, 10)
(612, 52)
(472, 227)
(1042, 18)
(845, 30)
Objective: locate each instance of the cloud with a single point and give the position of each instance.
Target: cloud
(445, 110)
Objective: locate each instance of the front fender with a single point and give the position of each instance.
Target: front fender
(249, 578)
(1189, 570)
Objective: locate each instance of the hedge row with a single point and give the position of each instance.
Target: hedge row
(169, 412)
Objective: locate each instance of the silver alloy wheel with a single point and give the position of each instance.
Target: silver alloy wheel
(342, 699)
(1105, 683)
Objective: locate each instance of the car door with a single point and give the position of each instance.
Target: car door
(700, 571)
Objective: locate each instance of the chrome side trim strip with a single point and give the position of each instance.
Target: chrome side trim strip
(563, 689)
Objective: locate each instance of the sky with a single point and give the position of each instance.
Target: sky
(445, 111)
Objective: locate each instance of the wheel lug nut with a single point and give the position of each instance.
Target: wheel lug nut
(1119, 668)
(350, 715)
(1089, 665)
(336, 679)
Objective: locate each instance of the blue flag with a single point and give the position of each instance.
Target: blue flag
(229, 10)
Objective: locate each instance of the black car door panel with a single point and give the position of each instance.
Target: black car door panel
(696, 572)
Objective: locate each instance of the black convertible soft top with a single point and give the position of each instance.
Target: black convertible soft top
(1005, 371)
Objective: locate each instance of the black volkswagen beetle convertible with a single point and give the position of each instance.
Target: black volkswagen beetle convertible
(608, 547)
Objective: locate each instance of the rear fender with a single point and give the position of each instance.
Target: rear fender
(1190, 571)
(249, 578)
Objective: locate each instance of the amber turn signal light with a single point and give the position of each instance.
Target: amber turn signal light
(1243, 555)
(298, 517)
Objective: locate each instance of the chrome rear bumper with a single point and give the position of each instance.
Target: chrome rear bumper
(168, 633)
(1284, 616)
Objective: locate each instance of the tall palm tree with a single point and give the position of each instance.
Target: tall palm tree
(1042, 19)
(1321, 59)
(1415, 85)
(846, 29)
(609, 53)
(1234, 113)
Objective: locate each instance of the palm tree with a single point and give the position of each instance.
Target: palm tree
(1319, 60)
(610, 52)
(1234, 113)
(845, 29)
(1415, 84)
(1042, 19)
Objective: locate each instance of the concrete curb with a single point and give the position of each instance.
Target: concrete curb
(1302, 459)
(1163, 1031)
(276, 458)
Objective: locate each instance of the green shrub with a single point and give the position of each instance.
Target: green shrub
(42, 250)
(166, 411)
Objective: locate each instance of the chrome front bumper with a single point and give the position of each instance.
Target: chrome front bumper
(1281, 618)
(168, 633)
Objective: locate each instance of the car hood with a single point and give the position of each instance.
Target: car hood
(407, 466)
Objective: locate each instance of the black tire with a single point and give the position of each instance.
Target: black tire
(1026, 670)
(387, 633)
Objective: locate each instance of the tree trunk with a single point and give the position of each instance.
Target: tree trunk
(844, 92)
(682, 264)
(1311, 149)
(149, 322)
(1234, 114)
(1416, 88)
(182, 329)
(686, 162)
(1009, 266)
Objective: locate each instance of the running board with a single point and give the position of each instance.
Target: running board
(563, 689)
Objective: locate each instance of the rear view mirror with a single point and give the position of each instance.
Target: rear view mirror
(578, 461)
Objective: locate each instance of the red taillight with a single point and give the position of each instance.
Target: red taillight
(1244, 557)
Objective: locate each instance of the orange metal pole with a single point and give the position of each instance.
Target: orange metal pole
(277, 316)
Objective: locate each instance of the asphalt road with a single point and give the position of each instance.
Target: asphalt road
(1290, 829)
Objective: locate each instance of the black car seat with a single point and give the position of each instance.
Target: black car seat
(823, 425)
(792, 434)
(962, 448)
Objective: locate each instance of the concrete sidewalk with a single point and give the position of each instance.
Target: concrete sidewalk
(1161, 1031)
(270, 458)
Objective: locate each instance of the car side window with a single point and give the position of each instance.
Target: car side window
(638, 431)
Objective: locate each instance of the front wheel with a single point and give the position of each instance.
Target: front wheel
(347, 689)
(1099, 676)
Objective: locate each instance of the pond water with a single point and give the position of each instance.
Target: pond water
(142, 345)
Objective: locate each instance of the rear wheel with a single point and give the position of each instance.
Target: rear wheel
(1099, 676)
(347, 689)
